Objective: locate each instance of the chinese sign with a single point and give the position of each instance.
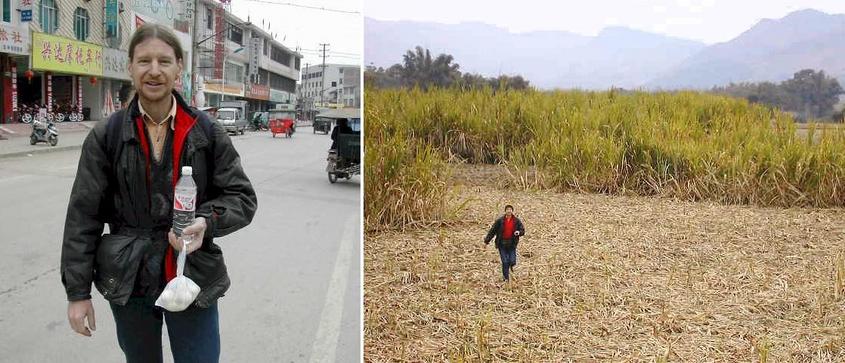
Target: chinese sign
(257, 91)
(219, 41)
(14, 89)
(254, 54)
(14, 40)
(111, 19)
(115, 64)
(53, 53)
(25, 7)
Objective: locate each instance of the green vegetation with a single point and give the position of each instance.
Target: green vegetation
(420, 69)
(809, 94)
(686, 145)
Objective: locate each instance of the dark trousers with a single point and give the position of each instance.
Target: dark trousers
(194, 333)
(508, 255)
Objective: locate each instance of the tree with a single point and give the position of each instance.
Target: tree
(421, 70)
(812, 94)
(809, 94)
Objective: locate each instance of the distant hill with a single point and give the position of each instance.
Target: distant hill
(772, 50)
(617, 56)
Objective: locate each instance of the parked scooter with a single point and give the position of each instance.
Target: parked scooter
(43, 130)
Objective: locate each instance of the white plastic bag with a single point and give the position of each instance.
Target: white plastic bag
(181, 291)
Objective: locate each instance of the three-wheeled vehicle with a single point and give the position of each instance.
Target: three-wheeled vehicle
(282, 122)
(345, 161)
(323, 124)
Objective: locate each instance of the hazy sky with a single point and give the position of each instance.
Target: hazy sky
(307, 28)
(710, 21)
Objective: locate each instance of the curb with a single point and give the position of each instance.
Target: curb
(40, 151)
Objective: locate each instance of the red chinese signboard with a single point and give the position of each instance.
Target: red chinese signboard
(257, 91)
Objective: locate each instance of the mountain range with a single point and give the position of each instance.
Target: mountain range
(771, 50)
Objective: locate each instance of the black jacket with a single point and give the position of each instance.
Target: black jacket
(113, 189)
(498, 227)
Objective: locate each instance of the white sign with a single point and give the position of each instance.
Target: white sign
(14, 39)
(255, 53)
(115, 63)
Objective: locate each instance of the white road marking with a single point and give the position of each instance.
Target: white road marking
(325, 342)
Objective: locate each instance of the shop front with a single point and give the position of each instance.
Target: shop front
(115, 77)
(15, 44)
(216, 92)
(258, 96)
(65, 77)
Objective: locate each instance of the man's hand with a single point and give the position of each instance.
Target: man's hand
(193, 234)
(77, 311)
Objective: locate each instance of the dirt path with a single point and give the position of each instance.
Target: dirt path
(609, 278)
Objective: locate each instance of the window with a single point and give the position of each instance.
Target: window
(297, 63)
(49, 16)
(340, 81)
(80, 23)
(334, 84)
(209, 18)
(264, 42)
(341, 71)
(236, 34)
(7, 11)
(234, 73)
(282, 83)
(279, 55)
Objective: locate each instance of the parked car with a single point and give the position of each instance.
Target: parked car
(232, 119)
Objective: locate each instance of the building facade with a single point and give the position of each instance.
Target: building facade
(331, 86)
(240, 61)
(72, 54)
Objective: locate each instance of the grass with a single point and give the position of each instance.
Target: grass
(685, 145)
(614, 271)
(609, 278)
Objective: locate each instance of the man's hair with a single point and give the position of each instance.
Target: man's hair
(508, 207)
(155, 31)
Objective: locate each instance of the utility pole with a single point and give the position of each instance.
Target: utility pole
(195, 52)
(323, 73)
(306, 107)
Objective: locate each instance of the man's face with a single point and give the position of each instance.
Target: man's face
(154, 69)
(508, 212)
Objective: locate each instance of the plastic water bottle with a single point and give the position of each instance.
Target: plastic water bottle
(184, 201)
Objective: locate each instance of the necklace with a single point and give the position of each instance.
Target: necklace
(158, 137)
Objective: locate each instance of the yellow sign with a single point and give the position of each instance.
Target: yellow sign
(230, 89)
(59, 54)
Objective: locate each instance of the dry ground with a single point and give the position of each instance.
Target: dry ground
(609, 278)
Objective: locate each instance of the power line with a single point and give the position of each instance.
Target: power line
(306, 6)
(333, 52)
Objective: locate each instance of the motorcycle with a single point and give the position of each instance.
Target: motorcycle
(43, 130)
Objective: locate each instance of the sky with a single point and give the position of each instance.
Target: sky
(307, 28)
(709, 21)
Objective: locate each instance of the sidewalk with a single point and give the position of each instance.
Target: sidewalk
(14, 138)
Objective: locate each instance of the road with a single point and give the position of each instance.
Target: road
(296, 270)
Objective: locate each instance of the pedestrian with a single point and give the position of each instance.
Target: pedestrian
(126, 177)
(507, 230)
(341, 128)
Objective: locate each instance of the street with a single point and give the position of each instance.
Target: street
(295, 271)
